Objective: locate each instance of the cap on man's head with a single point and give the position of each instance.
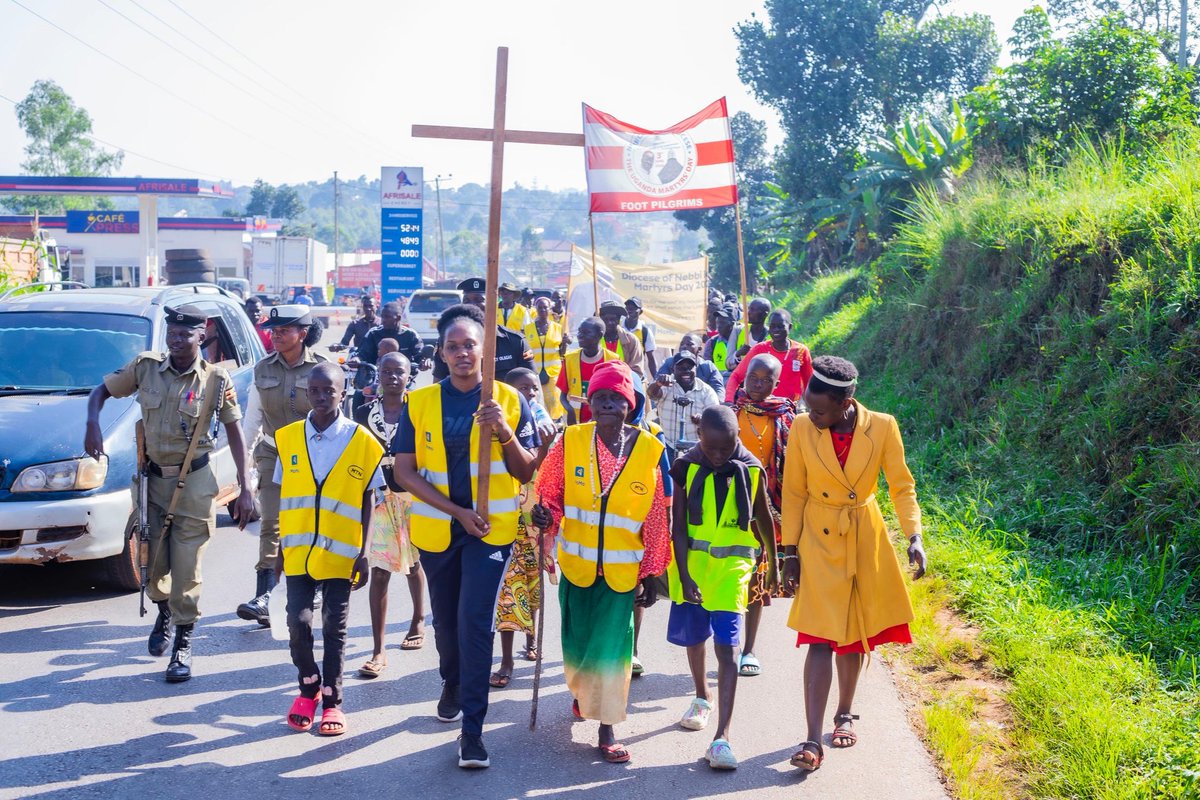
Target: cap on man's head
(636, 302)
(473, 285)
(189, 316)
(728, 311)
(298, 314)
(509, 286)
(687, 355)
(612, 305)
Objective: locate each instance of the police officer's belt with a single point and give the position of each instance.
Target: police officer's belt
(161, 471)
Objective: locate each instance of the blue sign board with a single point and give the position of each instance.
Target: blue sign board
(102, 222)
(402, 231)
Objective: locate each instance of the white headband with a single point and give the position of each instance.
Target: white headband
(832, 382)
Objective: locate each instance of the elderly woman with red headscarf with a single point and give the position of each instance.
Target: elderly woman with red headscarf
(601, 483)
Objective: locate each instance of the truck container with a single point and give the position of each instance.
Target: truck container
(278, 262)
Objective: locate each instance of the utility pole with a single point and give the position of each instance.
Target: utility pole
(1183, 34)
(437, 187)
(337, 238)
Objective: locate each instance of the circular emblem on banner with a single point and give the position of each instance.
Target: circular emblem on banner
(660, 164)
(639, 488)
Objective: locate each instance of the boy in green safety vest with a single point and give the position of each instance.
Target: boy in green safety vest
(720, 520)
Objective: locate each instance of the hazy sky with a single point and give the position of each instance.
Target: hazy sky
(290, 91)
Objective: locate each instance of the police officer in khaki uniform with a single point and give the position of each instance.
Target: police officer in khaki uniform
(171, 389)
(279, 397)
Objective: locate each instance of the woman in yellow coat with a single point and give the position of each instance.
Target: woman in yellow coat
(849, 591)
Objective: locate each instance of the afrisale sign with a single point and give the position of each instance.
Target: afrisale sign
(689, 165)
(401, 200)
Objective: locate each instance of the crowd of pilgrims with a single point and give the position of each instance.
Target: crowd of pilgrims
(725, 473)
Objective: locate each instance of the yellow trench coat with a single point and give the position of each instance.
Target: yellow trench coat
(851, 586)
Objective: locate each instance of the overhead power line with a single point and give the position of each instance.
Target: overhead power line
(131, 152)
(166, 90)
(384, 146)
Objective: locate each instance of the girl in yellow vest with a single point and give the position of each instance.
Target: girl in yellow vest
(327, 472)
(601, 483)
(838, 557)
(463, 554)
(716, 549)
(548, 342)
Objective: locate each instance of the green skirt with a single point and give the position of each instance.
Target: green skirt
(597, 646)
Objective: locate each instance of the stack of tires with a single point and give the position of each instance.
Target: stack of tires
(189, 266)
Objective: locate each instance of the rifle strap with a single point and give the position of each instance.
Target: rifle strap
(212, 394)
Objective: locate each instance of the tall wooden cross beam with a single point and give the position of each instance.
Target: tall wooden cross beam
(498, 136)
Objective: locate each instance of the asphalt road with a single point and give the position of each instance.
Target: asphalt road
(87, 714)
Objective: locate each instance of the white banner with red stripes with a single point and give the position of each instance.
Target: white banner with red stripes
(689, 165)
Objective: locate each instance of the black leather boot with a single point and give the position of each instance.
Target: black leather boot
(258, 609)
(160, 634)
(180, 668)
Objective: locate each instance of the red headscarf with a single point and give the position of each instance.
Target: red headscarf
(615, 376)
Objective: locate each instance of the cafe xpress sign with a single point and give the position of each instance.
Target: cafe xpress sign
(102, 222)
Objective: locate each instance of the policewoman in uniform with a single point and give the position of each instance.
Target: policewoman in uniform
(464, 556)
(601, 483)
(512, 350)
(173, 388)
(278, 398)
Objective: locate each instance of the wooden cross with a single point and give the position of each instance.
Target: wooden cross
(497, 135)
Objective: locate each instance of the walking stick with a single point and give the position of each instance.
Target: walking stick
(541, 626)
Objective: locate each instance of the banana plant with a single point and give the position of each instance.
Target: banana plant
(929, 152)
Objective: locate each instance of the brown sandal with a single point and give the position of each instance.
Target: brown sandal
(806, 759)
(846, 736)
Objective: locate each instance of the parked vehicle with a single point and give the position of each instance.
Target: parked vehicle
(322, 310)
(425, 306)
(57, 504)
(277, 262)
(235, 286)
(30, 255)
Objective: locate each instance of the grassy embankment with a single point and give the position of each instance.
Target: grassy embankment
(1038, 339)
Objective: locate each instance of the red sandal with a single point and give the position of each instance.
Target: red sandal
(332, 716)
(615, 753)
(806, 759)
(303, 708)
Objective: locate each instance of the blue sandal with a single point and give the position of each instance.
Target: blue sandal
(749, 667)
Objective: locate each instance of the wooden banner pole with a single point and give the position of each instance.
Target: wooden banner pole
(595, 269)
(737, 215)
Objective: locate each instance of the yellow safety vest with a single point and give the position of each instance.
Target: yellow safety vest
(518, 317)
(722, 351)
(545, 348)
(320, 524)
(594, 538)
(576, 387)
(721, 556)
(430, 528)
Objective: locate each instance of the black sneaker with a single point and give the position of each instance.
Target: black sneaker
(471, 752)
(449, 709)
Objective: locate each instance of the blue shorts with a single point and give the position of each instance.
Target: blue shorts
(691, 624)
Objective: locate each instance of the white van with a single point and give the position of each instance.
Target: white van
(425, 306)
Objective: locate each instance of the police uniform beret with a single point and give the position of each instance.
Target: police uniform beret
(473, 285)
(187, 315)
(298, 314)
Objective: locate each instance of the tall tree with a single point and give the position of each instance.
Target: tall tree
(60, 143)
(286, 204)
(262, 199)
(840, 70)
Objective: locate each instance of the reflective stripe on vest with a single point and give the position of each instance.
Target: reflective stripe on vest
(430, 528)
(320, 524)
(721, 556)
(594, 538)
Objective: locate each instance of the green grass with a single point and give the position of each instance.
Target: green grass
(1037, 337)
